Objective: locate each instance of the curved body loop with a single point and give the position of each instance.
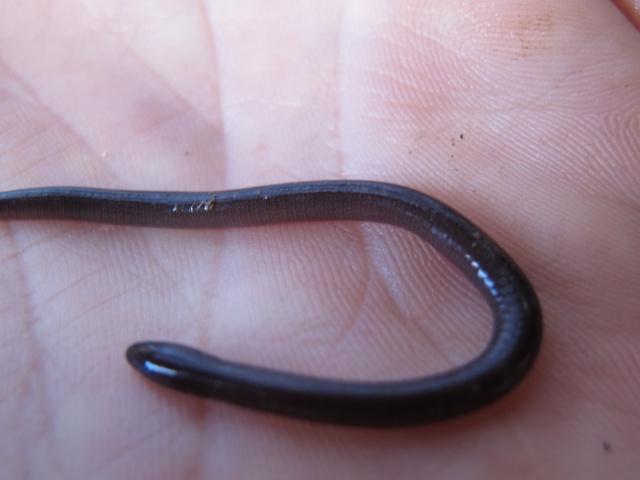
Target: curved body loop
(509, 354)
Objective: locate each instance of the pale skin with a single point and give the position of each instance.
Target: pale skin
(524, 116)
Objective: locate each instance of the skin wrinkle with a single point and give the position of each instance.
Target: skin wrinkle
(422, 331)
(14, 91)
(355, 318)
(155, 262)
(157, 74)
(349, 323)
(324, 327)
(37, 396)
(527, 453)
(49, 153)
(33, 139)
(165, 283)
(321, 283)
(140, 63)
(41, 106)
(179, 328)
(60, 290)
(391, 342)
(306, 332)
(391, 335)
(22, 392)
(135, 438)
(357, 300)
(207, 295)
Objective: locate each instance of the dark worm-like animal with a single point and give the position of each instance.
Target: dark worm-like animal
(508, 356)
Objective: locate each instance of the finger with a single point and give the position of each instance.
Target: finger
(631, 8)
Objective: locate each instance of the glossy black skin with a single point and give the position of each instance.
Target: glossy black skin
(510, 353)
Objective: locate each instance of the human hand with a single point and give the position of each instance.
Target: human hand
(523, 117)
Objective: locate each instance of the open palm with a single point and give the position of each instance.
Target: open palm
(524, 117)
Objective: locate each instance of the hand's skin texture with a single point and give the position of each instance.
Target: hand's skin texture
(524, 116)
